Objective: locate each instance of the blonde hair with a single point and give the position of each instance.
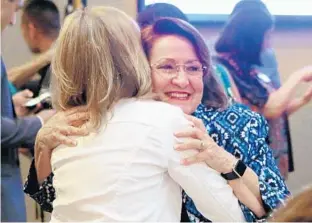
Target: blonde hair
(99, 60)
(297, 209)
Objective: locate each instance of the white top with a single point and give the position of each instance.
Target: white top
(129, 171)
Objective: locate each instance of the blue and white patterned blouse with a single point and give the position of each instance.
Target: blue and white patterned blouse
(244, 134)
(238, 130)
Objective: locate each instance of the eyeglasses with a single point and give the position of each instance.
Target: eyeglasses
(170, 69)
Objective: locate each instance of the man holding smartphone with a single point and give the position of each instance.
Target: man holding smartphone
(15, 132)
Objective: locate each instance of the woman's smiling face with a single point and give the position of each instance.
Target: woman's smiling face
(177, 72)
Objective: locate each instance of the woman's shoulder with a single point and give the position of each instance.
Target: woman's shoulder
(240, 111)
(235, 110)
(146, 105)
(236, 128)
(241, 114)
(148, 111)
(160, 108)
(246, 113)
(235, 117)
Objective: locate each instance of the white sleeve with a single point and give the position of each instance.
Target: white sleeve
(212, 195)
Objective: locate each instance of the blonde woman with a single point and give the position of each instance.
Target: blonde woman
(127, 168)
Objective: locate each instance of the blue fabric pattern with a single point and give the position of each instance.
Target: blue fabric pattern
(243, 133)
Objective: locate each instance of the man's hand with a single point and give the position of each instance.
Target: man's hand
(19, 101)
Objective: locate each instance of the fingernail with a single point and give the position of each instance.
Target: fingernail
(176, 133)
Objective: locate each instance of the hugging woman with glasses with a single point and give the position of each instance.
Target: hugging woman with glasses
(113, 174)
(229, 139)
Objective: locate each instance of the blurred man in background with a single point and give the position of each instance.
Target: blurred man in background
(40, 27)
(15, 132)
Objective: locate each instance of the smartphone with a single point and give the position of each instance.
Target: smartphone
(43, 99)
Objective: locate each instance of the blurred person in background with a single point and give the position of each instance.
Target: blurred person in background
(15, 132)
(270, 68)
(239, 49)
(153, 12)
(296, 209)
(40, 27)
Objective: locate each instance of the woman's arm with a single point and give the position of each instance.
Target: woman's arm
(43, 166)
(49, 137)
(262, 177)
(246, 188)
(209, 191)
(246, 197)
(20, 75)
(55, 132)
(247, 191)
(273, 189)
(43, 194)
(279, 100)
(211, 194)
(297, 103)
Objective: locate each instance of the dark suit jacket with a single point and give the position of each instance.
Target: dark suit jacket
(19, 132)
(15, 132)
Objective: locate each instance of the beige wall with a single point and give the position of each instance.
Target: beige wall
(293, 48)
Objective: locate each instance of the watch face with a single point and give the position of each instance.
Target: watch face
(240, 168)
(238, 171)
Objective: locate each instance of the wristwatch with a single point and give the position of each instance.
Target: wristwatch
(237, 171)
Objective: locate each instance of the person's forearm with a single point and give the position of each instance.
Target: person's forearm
(249, 178)
(279, 100)
(250, 181)
(20, 75)
(43, 165)
(19, 132)
(246, 188)
(245, 196)
(295, 105)
(299, 102)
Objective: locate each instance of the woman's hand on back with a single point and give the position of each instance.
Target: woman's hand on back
(215, 156)
(60, 127)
